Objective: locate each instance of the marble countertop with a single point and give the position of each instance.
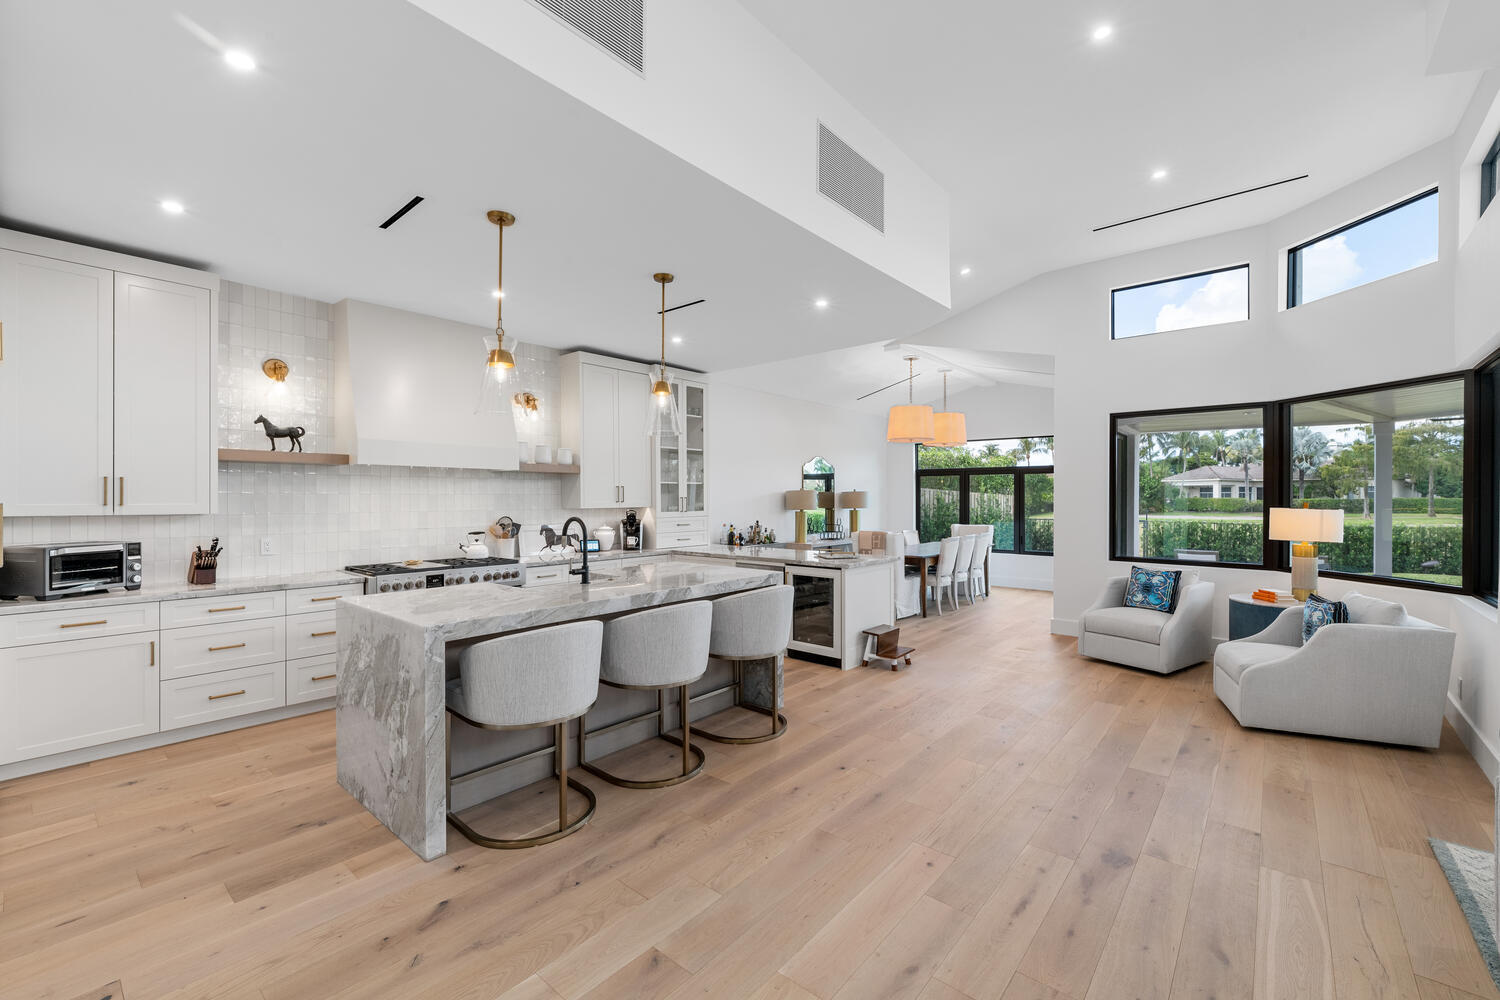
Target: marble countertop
(781, 555)
(182, 591)
(489, 609)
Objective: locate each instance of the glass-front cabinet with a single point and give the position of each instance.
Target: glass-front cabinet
(681, 483)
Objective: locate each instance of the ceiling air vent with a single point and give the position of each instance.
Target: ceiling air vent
(617, 26)
(850, 180)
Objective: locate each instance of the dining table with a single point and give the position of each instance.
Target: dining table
(924, 556)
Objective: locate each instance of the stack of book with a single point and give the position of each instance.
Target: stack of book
(1274, 596)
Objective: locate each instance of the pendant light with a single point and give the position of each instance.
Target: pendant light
(663, 415)
(909, 424)
(500, 361)
(948, 428)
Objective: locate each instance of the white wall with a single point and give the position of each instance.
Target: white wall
(758, 442)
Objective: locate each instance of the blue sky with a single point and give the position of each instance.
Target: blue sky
(1222, 297)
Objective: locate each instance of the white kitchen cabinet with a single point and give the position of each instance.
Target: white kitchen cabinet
(56, 387)
(205, 649)
(65, 695)
(604, 423)
(680, 459)
(163, 396)
(189, 701)
(107, 383)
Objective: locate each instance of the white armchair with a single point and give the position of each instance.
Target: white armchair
(1150, 640)
(1383, 683)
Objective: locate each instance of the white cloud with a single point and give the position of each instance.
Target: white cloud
(1222, 299)
(1328, 267)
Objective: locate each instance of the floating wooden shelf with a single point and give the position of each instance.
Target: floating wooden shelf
(281, 457)
(550, 469)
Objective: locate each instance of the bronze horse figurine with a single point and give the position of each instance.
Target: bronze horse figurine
(273, 432)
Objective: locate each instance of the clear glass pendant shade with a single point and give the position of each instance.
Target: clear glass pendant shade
(495, 378)
(664, 416)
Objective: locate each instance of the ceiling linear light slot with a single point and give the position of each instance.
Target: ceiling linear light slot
(388, 223)
(695, 302)
(1205, 201)
(616, 26)
(849, 180)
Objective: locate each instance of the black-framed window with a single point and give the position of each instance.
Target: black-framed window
(1393, 459)
(1385, 243)
(1007, 482)
(1414, 464)
(1487, 171)
(1206, 298)
(1191, 485)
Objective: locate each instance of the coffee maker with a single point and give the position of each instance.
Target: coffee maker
(630, 532)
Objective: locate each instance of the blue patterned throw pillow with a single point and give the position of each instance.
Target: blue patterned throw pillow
(1318, 612)
(1153, 589)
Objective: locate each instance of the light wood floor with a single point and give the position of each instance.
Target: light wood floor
(1001, 820)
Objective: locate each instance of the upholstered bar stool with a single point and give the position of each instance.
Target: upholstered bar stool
(747, 627)
(527, 681)
(652, 651)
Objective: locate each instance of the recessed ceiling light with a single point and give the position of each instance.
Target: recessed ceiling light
(1159, 174)
(171, 207)
(1103, 31)
(497, 294)
(963, 272)
(239, 59)
(676, 340)
(821, 303)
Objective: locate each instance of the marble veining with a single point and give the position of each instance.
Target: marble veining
(776, 554)
(390, 701)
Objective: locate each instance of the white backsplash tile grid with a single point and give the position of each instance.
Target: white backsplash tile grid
(324, 517)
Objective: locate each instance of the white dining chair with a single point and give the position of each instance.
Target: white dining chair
(966, 545)
(947, 562)
(972, 573)
(912, 538)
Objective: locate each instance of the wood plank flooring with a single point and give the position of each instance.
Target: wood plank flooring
(1002, 820)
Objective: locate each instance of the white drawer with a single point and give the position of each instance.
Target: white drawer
(547, 573)
(311, 678)
(80, 622)
(312, 635)
(668, 524)
(240, 607)
(206, 648)
(188, 701)
(668, 537)
(309, 599)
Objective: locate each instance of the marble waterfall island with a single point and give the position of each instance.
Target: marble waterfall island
(394, 658)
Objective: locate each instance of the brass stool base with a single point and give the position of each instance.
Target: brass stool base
(502, 844)
(676, 779)
(778, 729)
(737, 684)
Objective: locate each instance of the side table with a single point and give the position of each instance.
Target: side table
(1248, 616)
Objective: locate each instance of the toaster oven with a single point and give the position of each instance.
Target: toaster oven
(45, 572)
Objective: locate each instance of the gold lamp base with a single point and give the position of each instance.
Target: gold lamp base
(801, 527)
(1304, 570)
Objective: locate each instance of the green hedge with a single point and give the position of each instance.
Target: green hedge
(1039, 534)
(1399, 505)
(1240, 542)
(1218, 505)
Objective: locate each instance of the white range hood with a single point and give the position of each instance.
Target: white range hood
(405, 388)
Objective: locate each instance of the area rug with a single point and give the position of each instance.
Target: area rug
(1471, 874)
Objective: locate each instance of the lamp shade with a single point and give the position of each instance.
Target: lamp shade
(853, 500)
(1303, 524)
(909, 424)
(948, 431)
(825, 500)
(801, 499)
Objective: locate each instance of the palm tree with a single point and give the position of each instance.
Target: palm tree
(1183, 442)
(1246, 445)
(1311, 450)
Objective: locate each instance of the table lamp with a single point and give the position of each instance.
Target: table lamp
(1304, 528)
(852, 501)
(801, 501)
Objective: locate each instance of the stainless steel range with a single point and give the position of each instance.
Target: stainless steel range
(384, 578)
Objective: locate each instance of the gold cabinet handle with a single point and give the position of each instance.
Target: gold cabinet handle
(335, 597)
(153, 654)
(102, 621)
(120, 493)
(237, 607)
(105, 501)
(227, 694)
(220, 649)
(325, 677)
(319, 635)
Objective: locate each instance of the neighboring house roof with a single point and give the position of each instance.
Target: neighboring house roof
(1224, 473)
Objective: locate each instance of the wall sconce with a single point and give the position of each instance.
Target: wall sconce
(276, 370)
(527, 407)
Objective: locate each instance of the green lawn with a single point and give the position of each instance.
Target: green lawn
(1192, 515)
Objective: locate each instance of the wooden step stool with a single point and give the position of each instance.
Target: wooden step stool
(887, 642)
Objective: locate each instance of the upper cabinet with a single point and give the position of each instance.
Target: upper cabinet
(604, 404)
(681, 482)
(106, 383)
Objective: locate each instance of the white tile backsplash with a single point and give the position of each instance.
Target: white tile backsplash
(324, 517)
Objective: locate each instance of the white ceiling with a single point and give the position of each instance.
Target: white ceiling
(106, 108)
(1040, 135)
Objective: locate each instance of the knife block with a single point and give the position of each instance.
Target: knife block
(201, 574)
